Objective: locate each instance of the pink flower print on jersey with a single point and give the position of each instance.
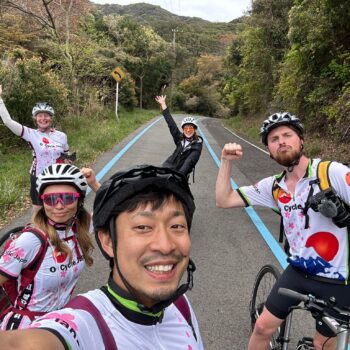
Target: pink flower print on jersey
(67, 318)
(76, 270)
(189, 347)
(291, 225)
(6, 257)
(301, 215)
(188, 334)
(63, 274)
(287, 214)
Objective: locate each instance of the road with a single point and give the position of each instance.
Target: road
(227, 248)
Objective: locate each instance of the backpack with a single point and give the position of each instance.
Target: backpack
(322, 180)
(82, 303)
(12, 290)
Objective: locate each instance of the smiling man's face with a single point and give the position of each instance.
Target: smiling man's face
(153, 250)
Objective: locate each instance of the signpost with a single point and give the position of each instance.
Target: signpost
(118, 74)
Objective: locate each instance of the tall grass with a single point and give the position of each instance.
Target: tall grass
(89, 136)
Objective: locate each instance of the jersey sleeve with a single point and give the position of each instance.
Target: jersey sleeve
(259, 194)
(76, 329)
(19, 254)
(14, 126)
(339, 177)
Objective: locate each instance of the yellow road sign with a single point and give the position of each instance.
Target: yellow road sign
(118, 74)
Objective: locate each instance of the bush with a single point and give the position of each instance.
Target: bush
(29, 81)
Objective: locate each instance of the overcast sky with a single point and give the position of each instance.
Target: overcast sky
(211, 10)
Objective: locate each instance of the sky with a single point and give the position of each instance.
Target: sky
(210, 10)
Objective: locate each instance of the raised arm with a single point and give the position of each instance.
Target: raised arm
(225, 196)
(15, 127)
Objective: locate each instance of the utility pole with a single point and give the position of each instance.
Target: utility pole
(174, 30)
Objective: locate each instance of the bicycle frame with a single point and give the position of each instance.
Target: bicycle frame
(342, 331)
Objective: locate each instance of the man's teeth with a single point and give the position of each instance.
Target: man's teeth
(159, 268)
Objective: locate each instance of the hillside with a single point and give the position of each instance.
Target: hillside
(197, 35)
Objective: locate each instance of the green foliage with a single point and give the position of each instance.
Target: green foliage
(253, 58)
(28, 81)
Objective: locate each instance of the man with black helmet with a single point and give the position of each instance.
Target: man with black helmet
(142, 218)
(318, 242)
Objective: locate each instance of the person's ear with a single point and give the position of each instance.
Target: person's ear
(106, 243)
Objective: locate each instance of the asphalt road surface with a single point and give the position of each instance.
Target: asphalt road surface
(227, 248)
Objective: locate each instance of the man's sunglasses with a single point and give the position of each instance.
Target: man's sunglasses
(64, 198)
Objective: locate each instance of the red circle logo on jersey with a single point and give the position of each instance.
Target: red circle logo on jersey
(45, 140)
(325, 244)
(347, 178)
(60, 257)
(284, 197)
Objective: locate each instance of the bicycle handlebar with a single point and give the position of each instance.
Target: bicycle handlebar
(316, 305)
(293, 294)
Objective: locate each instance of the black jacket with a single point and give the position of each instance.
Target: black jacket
(183, 158)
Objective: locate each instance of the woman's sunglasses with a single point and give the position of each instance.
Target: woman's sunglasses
(64, 198)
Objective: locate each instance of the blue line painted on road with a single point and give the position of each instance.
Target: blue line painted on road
(114, 160)
(266, 234)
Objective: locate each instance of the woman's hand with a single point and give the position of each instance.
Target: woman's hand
(161, 100)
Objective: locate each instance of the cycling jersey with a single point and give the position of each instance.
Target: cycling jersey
(317, 245)
(54, 280)
(46, 147)
(130, 327)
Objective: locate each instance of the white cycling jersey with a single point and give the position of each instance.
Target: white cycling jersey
(78, 330)
(322, 248)
(54, 281)
(46, 147)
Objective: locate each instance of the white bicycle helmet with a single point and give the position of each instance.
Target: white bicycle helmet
(61, 174)
(278, 119)
(189, 120)
(41, 107)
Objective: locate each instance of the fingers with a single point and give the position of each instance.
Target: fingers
(87, 172)
(232, 151)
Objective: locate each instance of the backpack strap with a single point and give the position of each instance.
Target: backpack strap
(322, 174)
(182, 305)
(82, 303)
(28, 273)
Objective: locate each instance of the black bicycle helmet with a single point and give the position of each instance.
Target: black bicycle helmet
(126, 184)
(278, 119)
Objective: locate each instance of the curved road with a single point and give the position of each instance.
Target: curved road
(227, 247)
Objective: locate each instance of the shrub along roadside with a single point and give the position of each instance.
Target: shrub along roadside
(89, 136)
